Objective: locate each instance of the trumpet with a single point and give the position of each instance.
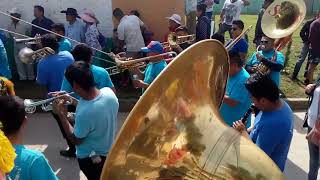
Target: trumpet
(28, 56)
(31, 106)
(29, 41)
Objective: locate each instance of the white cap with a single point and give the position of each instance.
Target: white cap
(176, 18)
(14, 11)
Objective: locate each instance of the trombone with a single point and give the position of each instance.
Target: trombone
(174, 40)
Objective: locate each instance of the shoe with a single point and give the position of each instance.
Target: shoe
(68, 153)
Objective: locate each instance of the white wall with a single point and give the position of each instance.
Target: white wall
(102, 9)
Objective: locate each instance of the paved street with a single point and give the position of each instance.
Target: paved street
(42, 133)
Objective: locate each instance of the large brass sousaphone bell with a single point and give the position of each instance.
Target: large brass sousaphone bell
(175, 130)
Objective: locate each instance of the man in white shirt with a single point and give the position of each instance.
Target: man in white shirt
(230, 11)
(74, 29)
(129, 33)
(25, 71)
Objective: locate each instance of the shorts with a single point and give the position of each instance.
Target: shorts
(313, 59)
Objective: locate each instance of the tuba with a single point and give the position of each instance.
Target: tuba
(175, 132)
(28, 56)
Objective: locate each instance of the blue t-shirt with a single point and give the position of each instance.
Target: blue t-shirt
(65, 45)
(153, 70)
(96, 124)
(275, 76)
(31, 165)
(240, 47)
(236, 90)
(101, 78)
(4, 65)
(272, 132)
(51, 70)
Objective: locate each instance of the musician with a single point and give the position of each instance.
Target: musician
(153, 69)
(174, 24)
(64, 44)
(29, 164)
(271, 58)
(273, 126)
(25, 71)
(4, 66)
(102, 79)
(40, 20)
(203, 28)
(241, 47)
(6, 87)
(236, 100)
(50, 70)
(74, 28)
(258, 31)
(181, 31)
(95, 119)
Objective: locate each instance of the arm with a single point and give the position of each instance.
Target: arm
(314, 30)
(274, 66)
(231, 102)
(40, 169)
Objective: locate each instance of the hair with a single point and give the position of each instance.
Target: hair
(238, 23)
(58, 27)
(79, 72)
(262, 86)
(265, 36)
(40, 8)
(218, 37)
(235, 58)
(202, 8)
(50, 40)
(135, 12)
(82, 52)
(12, 114)
(117, 12)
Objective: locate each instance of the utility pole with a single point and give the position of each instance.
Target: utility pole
(190, 11)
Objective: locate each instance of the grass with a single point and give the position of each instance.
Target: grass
(291, 89)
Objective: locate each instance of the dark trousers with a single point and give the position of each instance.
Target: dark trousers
(72, 147)
(314, 160)
(90, 169)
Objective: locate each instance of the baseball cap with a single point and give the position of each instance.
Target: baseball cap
(14, 11)
(154, 46)
(176, 18)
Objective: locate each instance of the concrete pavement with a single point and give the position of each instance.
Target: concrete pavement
(42, 133)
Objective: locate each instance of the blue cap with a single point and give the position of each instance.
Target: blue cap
(154, 46)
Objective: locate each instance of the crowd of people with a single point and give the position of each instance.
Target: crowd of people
(71, 69)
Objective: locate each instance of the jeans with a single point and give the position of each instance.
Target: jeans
(91, 170)
(302, 57)
(223, 28)
(314, 160)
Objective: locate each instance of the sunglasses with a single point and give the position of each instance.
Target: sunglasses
(264, 42)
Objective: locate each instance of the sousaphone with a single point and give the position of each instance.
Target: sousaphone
(175, 130)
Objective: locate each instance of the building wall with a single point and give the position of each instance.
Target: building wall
(102, 9)
(153, 12)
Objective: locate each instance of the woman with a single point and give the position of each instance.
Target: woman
(203, 24)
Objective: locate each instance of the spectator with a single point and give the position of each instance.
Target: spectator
(241, 47)
(273, 127)
(29, 164)
(91, 31)
(41, 21)
(230, 12)
(271, 58)
(203, 24)
(64, 44)
(74, 28)
(218, 37)
(236, 101)
(25, 71)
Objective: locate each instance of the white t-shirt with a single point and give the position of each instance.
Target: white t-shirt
(231, 11)
(313, 112)
(129, 30)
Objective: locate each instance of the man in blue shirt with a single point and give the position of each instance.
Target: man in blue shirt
(242, 46)
(271, 58)
(102, 79)
(153, 69)
(41, 21)
(236, 100)
(95, 120)
(273, 126)
(51, 69)
(64, 44)
(4, 66)
(29, 164)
